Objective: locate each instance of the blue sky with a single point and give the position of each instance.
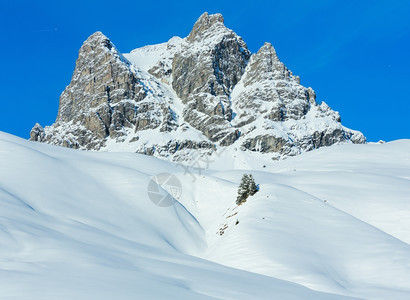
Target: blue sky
(353, 53)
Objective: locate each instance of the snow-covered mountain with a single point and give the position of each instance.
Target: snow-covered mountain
(187, 97)
(333, 223)
(328, 224)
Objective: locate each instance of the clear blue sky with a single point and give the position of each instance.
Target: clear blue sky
(354, 53)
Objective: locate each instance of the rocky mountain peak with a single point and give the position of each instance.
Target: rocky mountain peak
(104, 98)
(97, 59)
(268, 50)
(204, 25)
(98, 43)
(265, 64)
(205, 71)
(190, 97)
(98, 39)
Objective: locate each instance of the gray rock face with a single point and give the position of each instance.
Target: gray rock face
(268, 80)
(205, 71)
(37, 133)
(175, 147)
(102, 76)
(265, 143)
(271, 97)
(105, 96)
(212, 61)
(190, 96)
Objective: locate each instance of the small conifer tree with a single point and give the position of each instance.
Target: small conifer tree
(252, 186)
(247, 188)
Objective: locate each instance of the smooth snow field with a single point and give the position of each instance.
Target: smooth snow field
(333, 223)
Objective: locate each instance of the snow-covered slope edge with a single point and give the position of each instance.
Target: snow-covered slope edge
(80, 225)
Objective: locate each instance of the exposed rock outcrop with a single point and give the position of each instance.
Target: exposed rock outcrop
(205, 71)
(105, 95)
(37, 133)
(271, 98)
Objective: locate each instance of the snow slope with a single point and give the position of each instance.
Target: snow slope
(329, 224)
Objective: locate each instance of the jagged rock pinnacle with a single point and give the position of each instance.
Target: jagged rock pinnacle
(98, 74)
(265, 63)
(95, 41)
(204, 23)
(101, 99)
(268, 48)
